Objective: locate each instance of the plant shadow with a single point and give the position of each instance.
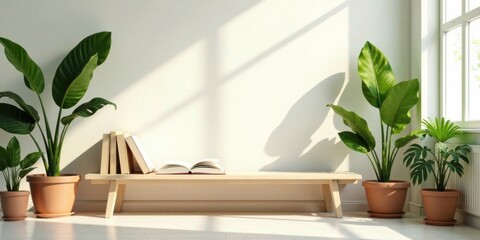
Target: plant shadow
(290, 141)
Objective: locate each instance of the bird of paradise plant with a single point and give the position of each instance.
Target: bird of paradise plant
(69, 85)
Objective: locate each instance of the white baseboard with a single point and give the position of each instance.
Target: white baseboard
(469, 219)
(416, 208)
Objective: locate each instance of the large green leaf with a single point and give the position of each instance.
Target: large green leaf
(462, 151)
(68, 96)
(19, 58)
(395, 110)
(13, 151)
(14, 120)
(87, 109)
(358, 125)
(415, 158)
(3, 158)
(455, 167)
(401, 142)
(420, 169)
(354, 141)
(75, 72)
(30, 160)
(376, 74)
(24, 106)
(24, 172)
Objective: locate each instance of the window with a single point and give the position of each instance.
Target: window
(460, 38)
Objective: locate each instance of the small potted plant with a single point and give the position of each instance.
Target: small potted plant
(385, 197)
(14, 201)
(53, 193)
(439, 203)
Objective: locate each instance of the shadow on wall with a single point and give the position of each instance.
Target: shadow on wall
(87, 162)
(290, 140)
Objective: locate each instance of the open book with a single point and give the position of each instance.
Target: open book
(206, 166)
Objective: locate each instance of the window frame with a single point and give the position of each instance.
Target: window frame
(461, 21)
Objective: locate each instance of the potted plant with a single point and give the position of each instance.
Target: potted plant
(385, 197)
(14, 169)
(439, 203)
(54, 194)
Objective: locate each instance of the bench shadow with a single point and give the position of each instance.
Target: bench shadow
(291, 140)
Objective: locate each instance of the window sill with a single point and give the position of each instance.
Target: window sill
(469, 126)
(470, 130)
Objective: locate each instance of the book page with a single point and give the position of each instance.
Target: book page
(174, 167)
(208, 166)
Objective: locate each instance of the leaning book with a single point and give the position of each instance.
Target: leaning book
(206, 166)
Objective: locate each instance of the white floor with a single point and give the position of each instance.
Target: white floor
(229, 226)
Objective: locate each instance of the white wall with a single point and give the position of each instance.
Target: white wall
(243, 81)
(425, 58)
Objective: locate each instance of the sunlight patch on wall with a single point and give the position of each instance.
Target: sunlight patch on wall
(252, 99)
(171, 90)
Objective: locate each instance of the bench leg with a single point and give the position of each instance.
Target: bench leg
(120, 196)
(337, 204)
(332, 198)
(327, 197)
(112, 198)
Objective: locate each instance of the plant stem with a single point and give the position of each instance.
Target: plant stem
(55, 171)
(382, 165)
(5, 176)
(378, 168)
(372, 162)
(448, 177)
(49, 145)
(15, 179)
(45, 163)
(437, 175)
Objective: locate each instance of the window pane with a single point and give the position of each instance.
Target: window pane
(453, 9)
(472, 4)
(474, 68)
(453, 75)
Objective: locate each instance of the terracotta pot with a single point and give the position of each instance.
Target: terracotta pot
(14, 205)
(386, 199)
(53, 196)
(440, 207)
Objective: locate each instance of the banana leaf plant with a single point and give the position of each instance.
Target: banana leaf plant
(13, 167)
(393, 101)
(423, 161)
(69, 85)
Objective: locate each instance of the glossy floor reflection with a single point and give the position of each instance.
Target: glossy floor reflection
(229, 226)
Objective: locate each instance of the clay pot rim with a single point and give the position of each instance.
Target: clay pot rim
(434, 192)
(390, 184)
(18, 193)
(42, 178)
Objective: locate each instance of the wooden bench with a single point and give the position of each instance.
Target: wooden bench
(328, 180)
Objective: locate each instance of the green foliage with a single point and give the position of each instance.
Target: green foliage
(359, 127)
(12, 167)
(70, 83)
(423, 161)
(441, 129)
(376, 74)
(393, 101)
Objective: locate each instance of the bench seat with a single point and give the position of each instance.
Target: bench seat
(328, 180)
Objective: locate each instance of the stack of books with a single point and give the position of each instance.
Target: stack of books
(123, 154)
